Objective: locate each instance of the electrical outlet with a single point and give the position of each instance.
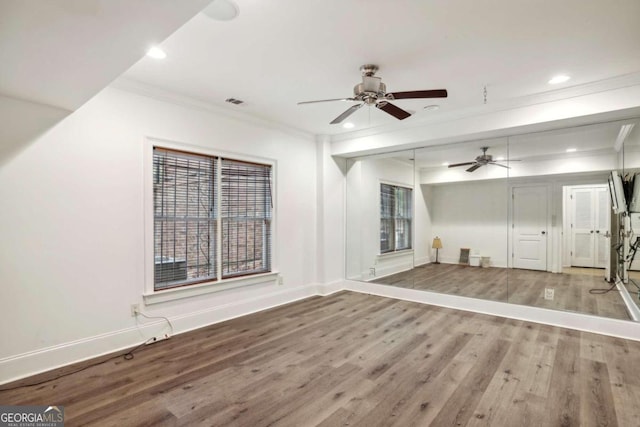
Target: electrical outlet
(280, 280)
(135, 309)
(158, 338)
(549, 293)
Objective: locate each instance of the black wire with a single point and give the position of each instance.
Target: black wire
(128, 355)
(602, 291)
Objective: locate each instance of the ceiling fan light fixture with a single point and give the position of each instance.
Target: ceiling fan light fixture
(445, 164)
(571, 150)
(560, 78)
(348, 125)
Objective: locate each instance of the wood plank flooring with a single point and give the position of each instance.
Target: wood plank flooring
(515, 286)
(358, 360)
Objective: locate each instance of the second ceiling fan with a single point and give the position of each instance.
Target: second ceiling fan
(373, 92)
(482, 160)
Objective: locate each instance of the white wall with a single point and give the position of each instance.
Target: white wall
(330, 213)
(363, 217)
(470, 215)
(21, 122)
(423, 234)
(72, 224)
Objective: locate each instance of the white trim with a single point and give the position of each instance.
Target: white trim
(625, 81)
(34, 362)
(189, 291)
(582, 322)
(150, 295)
(632, 308)
(19, 366)
(155, 92)
(394, 254)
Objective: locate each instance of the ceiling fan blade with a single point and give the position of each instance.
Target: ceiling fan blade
(498, 164)
(395, 111)
(474, 167)
(435, 93)
(327, 100)
(346, 114)
(462, 164)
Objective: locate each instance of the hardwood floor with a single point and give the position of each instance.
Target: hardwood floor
(527, 287)
(358, 360)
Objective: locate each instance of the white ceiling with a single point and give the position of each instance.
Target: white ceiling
(278, 53)
(61, 53)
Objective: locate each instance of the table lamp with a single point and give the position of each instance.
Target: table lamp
(437, 244)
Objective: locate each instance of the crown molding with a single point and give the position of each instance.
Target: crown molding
(161, 94)
(604, 85)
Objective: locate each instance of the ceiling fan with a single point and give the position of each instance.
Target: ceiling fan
(481, 160)
(373, 92)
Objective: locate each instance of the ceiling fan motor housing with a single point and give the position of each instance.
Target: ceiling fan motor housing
(370, 90)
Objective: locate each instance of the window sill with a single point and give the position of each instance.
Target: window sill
(207, 288)
(396, 254)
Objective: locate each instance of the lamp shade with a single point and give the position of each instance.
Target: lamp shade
(437, 243)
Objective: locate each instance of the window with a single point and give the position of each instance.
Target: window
(395, 218)
(212, 218)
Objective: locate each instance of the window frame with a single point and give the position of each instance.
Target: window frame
(150, 294)
(394, 218)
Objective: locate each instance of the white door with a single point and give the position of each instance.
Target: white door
(582, 227)
(529, 227)
(590, 227)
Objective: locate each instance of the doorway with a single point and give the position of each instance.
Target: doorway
(587, 226)
(529, 227)
(586, 229)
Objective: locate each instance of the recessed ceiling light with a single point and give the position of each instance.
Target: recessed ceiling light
(500, 158)
(560, 78)
(348, 125)
(156, 52)
(571, 150)
(432, 107)
(445, 164)
(222, 10)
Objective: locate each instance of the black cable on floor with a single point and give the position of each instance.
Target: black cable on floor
(128, 355)
(602, 291)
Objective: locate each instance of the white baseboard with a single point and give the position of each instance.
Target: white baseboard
(571, 320)
(26, 364)
(632, 307)
(422, 261)
(19, 366)
(326, 289)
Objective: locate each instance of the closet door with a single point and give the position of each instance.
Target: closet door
(602, 220)
(583, 228)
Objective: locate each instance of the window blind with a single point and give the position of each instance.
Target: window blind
(387, 203)
(246, 206)
(396, 212)
(185, 223)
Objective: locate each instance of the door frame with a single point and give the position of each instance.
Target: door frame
(550, 231)
(565, 260)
